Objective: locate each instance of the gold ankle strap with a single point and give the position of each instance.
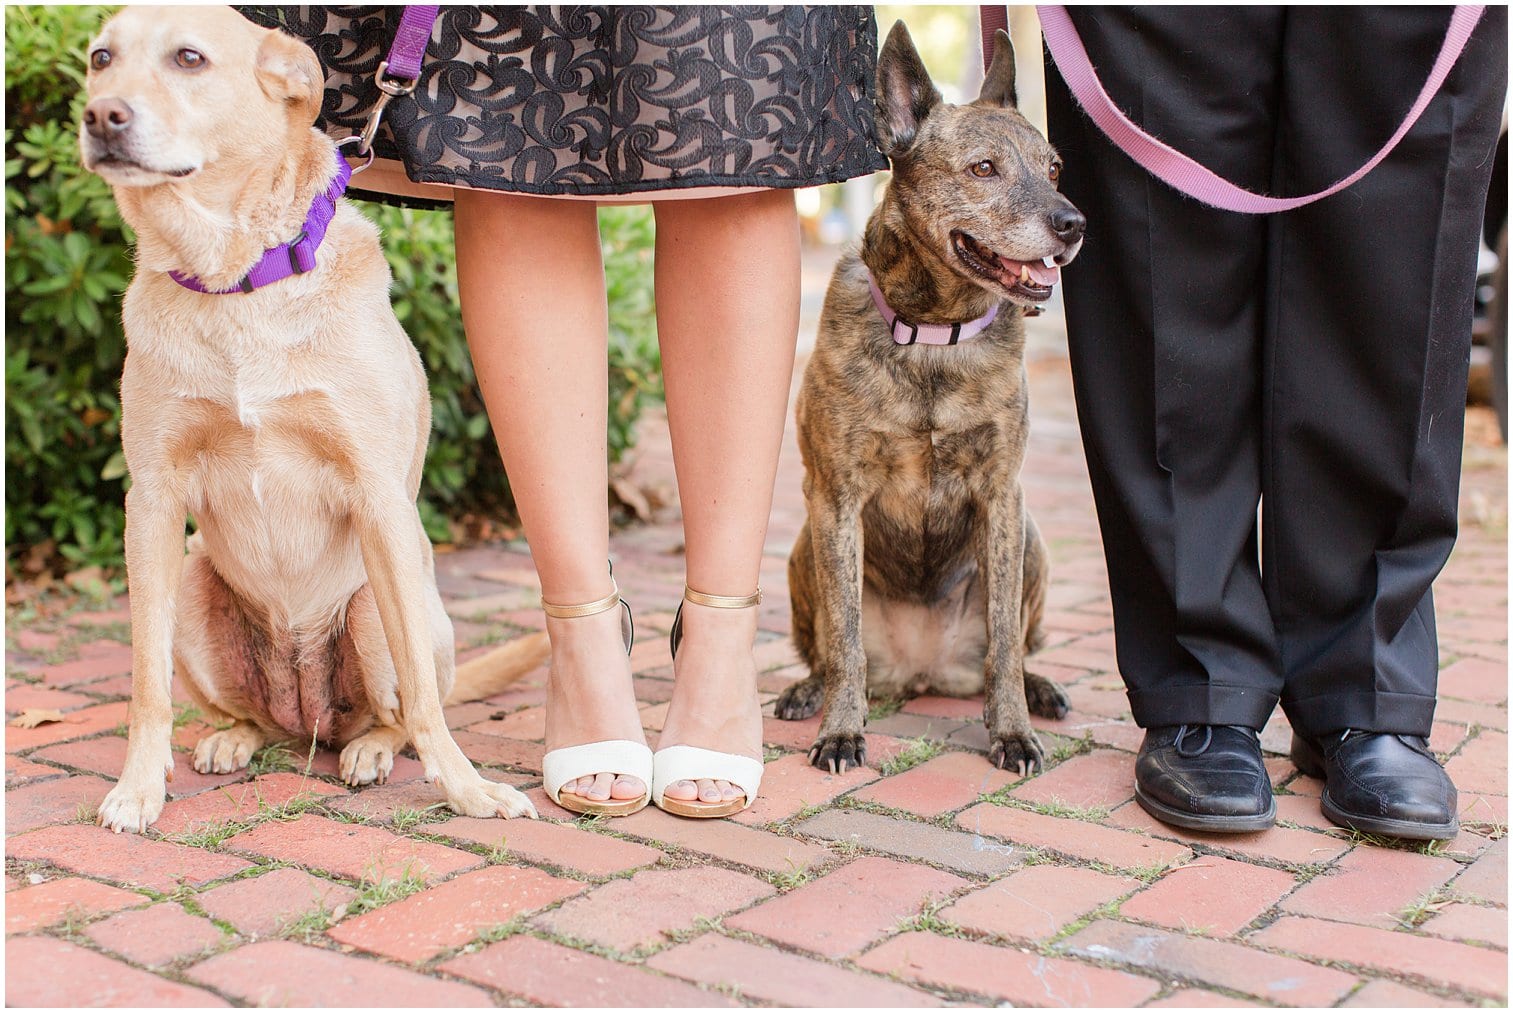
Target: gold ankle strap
(720, 601)
(604, 604)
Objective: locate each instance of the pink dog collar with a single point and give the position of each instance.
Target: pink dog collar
(905, 333)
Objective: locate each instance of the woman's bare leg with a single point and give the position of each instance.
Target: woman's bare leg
(727, 319)
(532, 289)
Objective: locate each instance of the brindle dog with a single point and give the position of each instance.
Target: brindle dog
(919, 569)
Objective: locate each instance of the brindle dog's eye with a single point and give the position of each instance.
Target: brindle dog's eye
(189, 59)
(99, 59)
(1055, 172)
(983, 169)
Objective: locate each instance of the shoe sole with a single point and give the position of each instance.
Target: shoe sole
(702, 810)
(575, 803)
(1208, 824)
(1381, 826)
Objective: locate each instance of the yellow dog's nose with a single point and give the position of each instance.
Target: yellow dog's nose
(105, 117)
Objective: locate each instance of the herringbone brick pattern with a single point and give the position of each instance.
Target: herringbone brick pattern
(930, 879)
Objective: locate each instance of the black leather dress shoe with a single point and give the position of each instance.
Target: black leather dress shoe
(1381, 784)
(1205, 777)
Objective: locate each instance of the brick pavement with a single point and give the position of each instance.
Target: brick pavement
(943, 882)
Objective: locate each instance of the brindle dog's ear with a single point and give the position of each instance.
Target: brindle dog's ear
(288, 71)
(998, 83)
(905, 93)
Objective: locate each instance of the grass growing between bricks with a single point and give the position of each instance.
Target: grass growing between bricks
(502, 931)
(1424, 907)
(1061, 810)
(790, 879)
(210, 836)
(1055, 807)
(916, 752)
(71, 638)
(311, 925)
(929, 920)
(375, 889)
(496, 632)
(1068, 748)
(276, 758)
(405, 819)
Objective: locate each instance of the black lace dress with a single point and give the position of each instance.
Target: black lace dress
(605, 102)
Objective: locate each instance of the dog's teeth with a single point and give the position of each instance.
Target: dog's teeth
(1049, 262)
(1024, 272)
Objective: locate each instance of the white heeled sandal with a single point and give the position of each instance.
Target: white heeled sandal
(614, 756)
(692, 763)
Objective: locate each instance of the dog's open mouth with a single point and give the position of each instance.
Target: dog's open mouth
(1028, 280)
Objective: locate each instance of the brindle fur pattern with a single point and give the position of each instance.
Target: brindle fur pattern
(918, 568)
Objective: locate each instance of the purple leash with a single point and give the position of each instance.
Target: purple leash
(1182, 173)
(395, 76)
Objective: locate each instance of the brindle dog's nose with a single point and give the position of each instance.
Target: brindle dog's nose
(1068, 224)
(106, 116)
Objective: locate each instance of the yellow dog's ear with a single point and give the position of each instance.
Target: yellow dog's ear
(288, 72)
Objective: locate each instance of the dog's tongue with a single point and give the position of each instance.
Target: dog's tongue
(1040, 274)
(1044, 275)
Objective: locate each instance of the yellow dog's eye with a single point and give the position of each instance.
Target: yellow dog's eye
(189, 59)
(983, 169)
(1055, 172)
(99, 59)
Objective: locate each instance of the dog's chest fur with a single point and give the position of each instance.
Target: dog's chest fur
(246, 398)
(924, 433)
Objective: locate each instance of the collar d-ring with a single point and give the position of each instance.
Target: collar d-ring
(360, 151)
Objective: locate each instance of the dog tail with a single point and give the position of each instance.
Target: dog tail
(493, 672)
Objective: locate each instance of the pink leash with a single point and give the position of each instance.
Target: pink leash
(1176, 169)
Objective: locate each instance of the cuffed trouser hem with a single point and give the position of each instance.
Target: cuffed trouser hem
(1389, 713)
(1208, 704)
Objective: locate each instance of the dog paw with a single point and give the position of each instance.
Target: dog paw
(131, 807)
(801, 700)
(366, 760)
(1045, 698)
(226, 751)
(839, 753)
(1019, 753)
(485, 798)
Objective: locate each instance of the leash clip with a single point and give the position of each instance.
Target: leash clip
(390, 88)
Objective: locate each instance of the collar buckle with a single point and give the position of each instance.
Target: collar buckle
(300, 254)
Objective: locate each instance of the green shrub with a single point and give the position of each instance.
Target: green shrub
(68, 260)
(66, 263)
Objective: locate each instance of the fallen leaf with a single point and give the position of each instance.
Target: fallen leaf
(34, 716)
(630, 495)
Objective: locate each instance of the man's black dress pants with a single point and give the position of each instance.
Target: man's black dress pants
(1312, 362)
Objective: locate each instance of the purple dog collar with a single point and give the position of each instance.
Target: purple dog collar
(297, 255)
(905, 333)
